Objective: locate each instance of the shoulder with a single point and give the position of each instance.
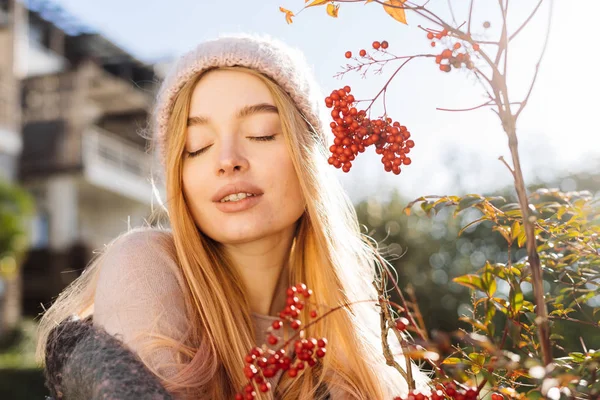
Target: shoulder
(140, 266)
(153, 240)
(141, 251)
(139, 280)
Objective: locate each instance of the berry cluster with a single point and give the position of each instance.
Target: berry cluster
(448, 390)
(354, 132)
(451, 57)
(377, 45)
(433, 34)
(263, 362)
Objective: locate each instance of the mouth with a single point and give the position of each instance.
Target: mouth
(236, 197)
(235, 192)
(238, 202)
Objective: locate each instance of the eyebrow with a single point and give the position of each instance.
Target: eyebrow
(242, 113)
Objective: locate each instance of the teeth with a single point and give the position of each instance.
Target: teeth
(236, 197)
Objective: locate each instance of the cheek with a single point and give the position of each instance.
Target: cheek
(192, 186)
(290, 184)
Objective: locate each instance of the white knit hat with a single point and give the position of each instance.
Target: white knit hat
(280, 62)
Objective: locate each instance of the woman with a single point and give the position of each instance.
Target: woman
(253, 209)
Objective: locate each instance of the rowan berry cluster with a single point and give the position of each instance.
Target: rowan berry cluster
(451, 57)
(448, 390)
(262, 362)
(354, 132)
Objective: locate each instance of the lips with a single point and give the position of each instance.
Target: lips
(233, 188)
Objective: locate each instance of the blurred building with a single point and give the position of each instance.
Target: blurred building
(10, 137)
(83, 101)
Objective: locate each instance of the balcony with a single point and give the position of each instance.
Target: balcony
(117, 165)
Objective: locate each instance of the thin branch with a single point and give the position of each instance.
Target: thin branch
(526, 21)
(452, 12)
(388, 82)
(489, 103)
(512, 171)
(470, 17)
(537, 66)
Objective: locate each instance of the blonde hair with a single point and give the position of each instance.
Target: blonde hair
(328, 254)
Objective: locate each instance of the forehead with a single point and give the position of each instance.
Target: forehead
(226, 91)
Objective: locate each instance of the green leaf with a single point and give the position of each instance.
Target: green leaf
(468, 201)
(452, 361)
(478, 362)
(521, 238)
(471, 281)
(427, 206)
(474, 323)
(488, 280)
(516, 299)
(489, 315)
(577, 357)
(515, 230)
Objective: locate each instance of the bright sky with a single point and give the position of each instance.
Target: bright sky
(455, 151)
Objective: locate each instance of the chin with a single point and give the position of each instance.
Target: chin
(240, 233)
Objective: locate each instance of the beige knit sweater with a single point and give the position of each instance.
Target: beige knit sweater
(139, 291)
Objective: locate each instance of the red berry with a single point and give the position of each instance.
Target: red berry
(401, 323)
(265, 387)
(457, 46)
(432, 44)
(384, 44)
(430, 36)
(313, 314)
(476, 47)
(348, 54)
(293, 372)
(376, 45)
(362, 53)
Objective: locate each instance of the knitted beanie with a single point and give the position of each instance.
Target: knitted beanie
(283, 64)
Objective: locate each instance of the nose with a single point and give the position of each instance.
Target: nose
(231, 158)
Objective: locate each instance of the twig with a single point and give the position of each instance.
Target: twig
(526, 21)
(467, 109)
(501, 158)
(537, 66)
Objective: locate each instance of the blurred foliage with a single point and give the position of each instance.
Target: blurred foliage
(15, 206)
(465, 258)
(20, 376)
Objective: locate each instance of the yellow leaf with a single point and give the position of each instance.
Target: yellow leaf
(288, 14)
(394, 11)
(317, 2)
(332, 10)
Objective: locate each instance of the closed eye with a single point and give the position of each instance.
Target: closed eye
(262, 138)
(255, 138)
(197, 152)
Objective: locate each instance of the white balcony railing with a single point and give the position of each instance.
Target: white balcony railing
(117, 165)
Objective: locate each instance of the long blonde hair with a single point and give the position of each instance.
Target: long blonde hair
(329, 254)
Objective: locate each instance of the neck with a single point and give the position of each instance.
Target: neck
(263, 267)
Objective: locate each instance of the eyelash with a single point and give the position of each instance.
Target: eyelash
(256, 138)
